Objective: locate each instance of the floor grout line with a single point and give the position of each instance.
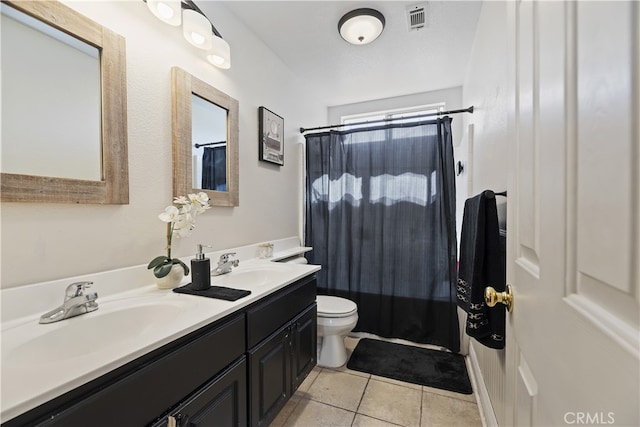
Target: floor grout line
(364, 390)
(421, 404)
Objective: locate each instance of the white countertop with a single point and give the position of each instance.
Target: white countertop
(41, 362)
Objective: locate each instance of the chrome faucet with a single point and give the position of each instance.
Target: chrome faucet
(225, 264)
(76, 302)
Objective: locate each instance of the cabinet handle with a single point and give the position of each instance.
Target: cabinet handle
(177, 420)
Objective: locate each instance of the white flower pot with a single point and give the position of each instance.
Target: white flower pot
(172, 279)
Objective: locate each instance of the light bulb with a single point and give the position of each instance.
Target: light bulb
(168, 11)
(197, 29)
(220, 53)
(197, 38)
(165, 11)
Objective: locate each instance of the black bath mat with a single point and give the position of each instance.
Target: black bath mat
(415, 365)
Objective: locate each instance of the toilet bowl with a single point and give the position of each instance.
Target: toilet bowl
(336, 318)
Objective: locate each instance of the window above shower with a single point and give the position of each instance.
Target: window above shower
(400, 115)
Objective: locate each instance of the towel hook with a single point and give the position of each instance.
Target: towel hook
(492, 297)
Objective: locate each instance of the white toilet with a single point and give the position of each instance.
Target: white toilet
(336, 318)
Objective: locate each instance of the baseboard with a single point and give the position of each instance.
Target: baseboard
(487, 415)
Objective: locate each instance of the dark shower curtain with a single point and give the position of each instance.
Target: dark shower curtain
(380, 216)
(214, 168)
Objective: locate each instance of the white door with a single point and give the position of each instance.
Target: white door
(574, 213)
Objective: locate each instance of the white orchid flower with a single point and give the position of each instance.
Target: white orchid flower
(182, 232)
(181, 220)
(203, 199)
(182, 200)
(170, 214)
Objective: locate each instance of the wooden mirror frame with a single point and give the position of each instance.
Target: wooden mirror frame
(183, 86)
(114, 186)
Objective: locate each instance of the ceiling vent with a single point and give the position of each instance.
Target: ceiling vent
(416, 16)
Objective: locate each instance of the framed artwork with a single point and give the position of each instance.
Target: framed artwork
(271, 136)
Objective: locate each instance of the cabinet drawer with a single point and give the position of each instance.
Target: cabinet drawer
(274, 311)
(158, 384)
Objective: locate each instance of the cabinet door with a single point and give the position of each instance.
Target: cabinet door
(304, 346)
(269, 377)
(221, 402)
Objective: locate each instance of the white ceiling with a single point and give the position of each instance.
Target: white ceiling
(304, 35)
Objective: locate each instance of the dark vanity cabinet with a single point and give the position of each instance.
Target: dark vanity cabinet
(281, 342)
(237, 371)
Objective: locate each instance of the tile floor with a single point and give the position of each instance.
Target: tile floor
(342, 397)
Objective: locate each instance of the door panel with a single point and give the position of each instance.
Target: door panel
(527, 150)
(573, 252)
(527, 391)
(606, 182)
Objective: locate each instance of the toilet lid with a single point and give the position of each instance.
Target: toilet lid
(335, 307)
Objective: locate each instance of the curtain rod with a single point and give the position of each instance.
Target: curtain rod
(440, 113)
(209, 143)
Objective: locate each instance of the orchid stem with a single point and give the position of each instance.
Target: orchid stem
(169, 234)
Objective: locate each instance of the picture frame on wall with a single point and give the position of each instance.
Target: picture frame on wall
(271, 136)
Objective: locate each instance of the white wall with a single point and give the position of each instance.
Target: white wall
(42, 242)
(485, 87)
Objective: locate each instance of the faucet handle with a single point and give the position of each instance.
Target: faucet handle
(225, 257)
(76, 289)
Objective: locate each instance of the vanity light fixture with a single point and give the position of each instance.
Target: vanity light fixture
(196, 28)
(361, 26)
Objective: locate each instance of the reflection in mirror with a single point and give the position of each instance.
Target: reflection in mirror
(204, 115)
(66, 91)
(64, 133)
(209, 134)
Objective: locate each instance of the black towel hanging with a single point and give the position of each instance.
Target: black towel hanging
(481, 264)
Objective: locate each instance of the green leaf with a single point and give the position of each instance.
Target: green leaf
(162, 270)
(184, 266)
(158, 261)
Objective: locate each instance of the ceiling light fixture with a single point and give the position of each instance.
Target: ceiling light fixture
(196, 28)
(361, 26)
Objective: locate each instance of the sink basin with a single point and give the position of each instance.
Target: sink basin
(90, 333)
(251, 276)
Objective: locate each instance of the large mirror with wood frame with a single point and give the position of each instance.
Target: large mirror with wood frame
(64, 114)
(205, 140)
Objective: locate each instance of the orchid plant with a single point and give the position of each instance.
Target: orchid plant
(181, 220)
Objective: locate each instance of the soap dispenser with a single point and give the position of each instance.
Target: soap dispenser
(200, 271)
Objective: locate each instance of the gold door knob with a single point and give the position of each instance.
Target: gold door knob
(491, 297)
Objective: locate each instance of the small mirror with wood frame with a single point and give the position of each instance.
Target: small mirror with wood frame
(186, 88)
